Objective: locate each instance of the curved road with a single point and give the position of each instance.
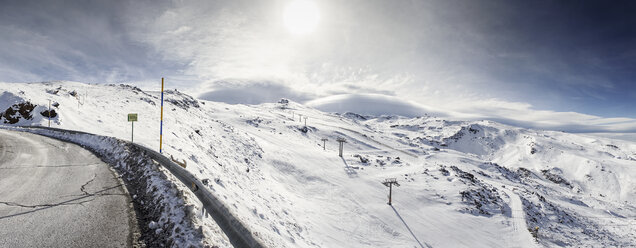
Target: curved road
(57, 194)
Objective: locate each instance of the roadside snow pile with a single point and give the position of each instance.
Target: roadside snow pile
(164, 218)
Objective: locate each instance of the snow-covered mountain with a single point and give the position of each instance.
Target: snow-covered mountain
(462, 184)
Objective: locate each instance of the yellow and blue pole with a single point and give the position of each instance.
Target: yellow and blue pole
(161, 125)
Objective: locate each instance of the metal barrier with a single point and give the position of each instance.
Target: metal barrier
(236, 231)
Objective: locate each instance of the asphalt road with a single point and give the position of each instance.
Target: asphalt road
(57, 194)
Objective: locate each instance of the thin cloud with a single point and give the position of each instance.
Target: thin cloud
(449, 55)
(511, 113)
(251, 92)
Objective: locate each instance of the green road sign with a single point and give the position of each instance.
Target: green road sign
(132, 117)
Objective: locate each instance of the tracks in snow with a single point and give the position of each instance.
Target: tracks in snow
(522, 237)
(372, 140)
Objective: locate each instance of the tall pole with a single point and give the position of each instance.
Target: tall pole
(161, 122)
(341, 147)
(389, 182)
(390, 191)
(132, 132)
(49, 112)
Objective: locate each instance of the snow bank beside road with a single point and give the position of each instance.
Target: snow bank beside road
(164, 217)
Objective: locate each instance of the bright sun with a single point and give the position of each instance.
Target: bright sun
(301, 17)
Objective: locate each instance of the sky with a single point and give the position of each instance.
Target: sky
(560, 65)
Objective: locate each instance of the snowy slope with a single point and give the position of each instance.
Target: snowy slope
(463, 184)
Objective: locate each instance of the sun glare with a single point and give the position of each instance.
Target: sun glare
(301, 17)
